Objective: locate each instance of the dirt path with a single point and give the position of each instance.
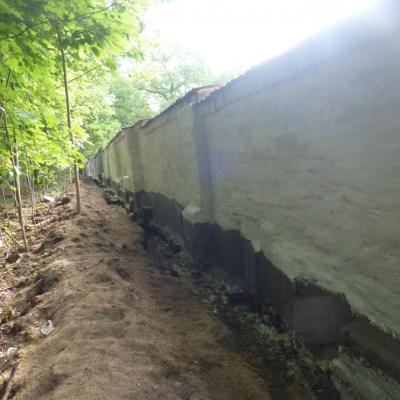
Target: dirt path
(123, 330)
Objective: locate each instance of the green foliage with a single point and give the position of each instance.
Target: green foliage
(94, 111)
(97, 36)
(32, 98)
(168, 74)
(130, 103)
(106, 101)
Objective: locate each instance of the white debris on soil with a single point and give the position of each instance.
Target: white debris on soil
(48, 199)
(12, 352)
(46, 330)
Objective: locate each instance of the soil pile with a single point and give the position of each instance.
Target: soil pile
(93, 317)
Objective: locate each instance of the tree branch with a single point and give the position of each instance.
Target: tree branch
(154, 92)
(9, 383)
(80, 76)
(84, 16)
(49, 21)
(24, 30)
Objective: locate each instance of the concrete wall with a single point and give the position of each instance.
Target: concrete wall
(168, 157)
(288, 177)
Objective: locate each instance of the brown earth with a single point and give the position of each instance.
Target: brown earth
(123, 329)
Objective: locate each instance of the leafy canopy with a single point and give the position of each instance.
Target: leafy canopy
(32, 113)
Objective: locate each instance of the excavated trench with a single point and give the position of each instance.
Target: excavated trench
(135, 318)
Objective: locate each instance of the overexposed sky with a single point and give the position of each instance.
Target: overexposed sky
(236, 34)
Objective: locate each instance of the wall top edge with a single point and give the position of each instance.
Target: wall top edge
(366, 26)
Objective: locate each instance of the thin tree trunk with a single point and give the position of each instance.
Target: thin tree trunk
(18, 193)
(2, 241)
(33, 192)
(30, 180)
(15, 162)
(76, 168)
(7, 216)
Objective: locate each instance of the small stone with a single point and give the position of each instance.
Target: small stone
(48, 199)
(174, 273)
(266, 319)
(60, 201)
(47, 329)
(12, 257)
(12, 352)
(212, 298)
(37, 247)
(131, 216)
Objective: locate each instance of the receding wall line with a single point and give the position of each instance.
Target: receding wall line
(292, 187)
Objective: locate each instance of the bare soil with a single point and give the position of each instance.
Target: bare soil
(123, 328)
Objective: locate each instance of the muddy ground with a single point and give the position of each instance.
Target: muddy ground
(129, 321)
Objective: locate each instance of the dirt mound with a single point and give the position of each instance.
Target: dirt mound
(122, 328)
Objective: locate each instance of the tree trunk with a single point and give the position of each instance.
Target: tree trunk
(30, 180)
(11, 235)
(65, 76)
(18, 194)
(15, 163)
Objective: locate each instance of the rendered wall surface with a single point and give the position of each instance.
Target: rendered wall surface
(289, 177)
(168, 157)
(308, 170)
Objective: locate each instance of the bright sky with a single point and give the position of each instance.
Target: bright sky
(236, 34)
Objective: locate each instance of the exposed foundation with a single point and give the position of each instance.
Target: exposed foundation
(355, 349)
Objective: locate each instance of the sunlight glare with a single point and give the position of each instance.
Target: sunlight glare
(234, 34)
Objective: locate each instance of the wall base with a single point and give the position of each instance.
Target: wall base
(322, 319)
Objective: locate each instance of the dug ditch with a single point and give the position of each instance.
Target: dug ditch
(134, 318)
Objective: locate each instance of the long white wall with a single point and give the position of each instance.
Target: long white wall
(301, 155)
